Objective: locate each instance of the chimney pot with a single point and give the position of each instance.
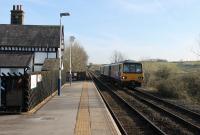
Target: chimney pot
(17, 15)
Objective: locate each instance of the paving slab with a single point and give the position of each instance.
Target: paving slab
(101, 121)
(60, 115)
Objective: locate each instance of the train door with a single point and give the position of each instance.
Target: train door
(116, 71)
(101, 70)
(120, 69)
(109, 72)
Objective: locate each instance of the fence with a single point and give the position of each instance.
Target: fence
(26, 91)
(12, 88)
(47, 83)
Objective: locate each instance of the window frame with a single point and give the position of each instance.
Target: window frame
(135, 68)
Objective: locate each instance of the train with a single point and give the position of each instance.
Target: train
(126, 73)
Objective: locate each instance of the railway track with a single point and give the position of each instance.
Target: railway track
(192, 116)
(165, 119)
(173, 119)
(166, 122)
(184, 117)
(129, 120)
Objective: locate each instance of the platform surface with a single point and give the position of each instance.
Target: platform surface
(78, 111)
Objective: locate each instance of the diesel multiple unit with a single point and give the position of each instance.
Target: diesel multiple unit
(126, 73)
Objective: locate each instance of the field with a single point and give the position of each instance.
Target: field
(173, 80)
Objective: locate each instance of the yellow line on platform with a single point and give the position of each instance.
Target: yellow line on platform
(83, 117)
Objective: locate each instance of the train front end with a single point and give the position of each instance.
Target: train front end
(132, 74)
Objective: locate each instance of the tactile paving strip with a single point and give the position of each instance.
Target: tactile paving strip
(83, 116)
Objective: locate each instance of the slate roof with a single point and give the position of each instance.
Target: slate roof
(12, 60)
(50, 64)
(29, 35)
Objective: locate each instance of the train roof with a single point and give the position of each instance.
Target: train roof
(103, 65)
(129, 61)
(121, 62)
(126, 61)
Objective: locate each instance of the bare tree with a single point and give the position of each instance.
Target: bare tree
(79, 58)
(196, 50)
(116, 57)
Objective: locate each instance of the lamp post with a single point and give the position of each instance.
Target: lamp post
(60, 53)
(72, 38)
(0, 87)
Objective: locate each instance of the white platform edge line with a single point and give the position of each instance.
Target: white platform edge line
(110, 116)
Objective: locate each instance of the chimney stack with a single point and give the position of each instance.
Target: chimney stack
(17, 15)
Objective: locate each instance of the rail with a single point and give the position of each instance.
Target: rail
(154, 128)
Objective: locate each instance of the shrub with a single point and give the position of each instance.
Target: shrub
(163, 72)
(171, 81)
(155, 71)
(192, 82)
(172, 88)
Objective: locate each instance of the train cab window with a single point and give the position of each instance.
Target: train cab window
(126, 68)
(138, 68)
(132, 68)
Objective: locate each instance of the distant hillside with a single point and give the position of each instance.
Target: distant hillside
(179, 67)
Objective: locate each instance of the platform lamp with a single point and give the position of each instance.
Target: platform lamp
(60, 53)
(72, 38)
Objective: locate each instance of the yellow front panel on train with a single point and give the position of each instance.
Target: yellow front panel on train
(132, 77)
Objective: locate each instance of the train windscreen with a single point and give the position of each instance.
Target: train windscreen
(132, 68)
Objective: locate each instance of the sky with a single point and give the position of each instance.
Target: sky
(139, 29)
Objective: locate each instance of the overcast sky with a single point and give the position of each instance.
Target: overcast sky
(140, 29)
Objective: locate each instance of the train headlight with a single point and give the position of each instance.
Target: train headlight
(124, 77)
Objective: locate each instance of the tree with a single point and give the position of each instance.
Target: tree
(116, 57)
(79, 58)
(196, 50)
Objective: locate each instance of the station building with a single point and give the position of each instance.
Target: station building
(42, 42)
(26, 50)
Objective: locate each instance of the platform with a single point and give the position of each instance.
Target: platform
(78, 111)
